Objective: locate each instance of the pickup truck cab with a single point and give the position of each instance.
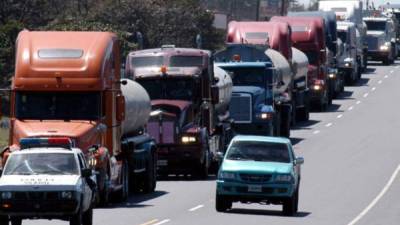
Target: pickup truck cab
(259, 169)
(47, 181)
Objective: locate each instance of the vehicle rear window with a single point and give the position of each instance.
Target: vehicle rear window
(147, 61)
(259, 151)
(186, 61)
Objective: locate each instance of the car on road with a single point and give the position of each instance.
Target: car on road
(259, 169)
(51, 182)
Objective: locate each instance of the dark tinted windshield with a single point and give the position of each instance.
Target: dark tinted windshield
(259, 151)
(147, 61)
(174, 89)
(41, 163)
(186, 61)
(248, 76)
(312, 57)
(376, 25)
(58, 105)
(343, 36)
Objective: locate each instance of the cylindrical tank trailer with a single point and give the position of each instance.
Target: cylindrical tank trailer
(224, 85)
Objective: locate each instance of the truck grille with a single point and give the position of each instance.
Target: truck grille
(373, 43)
(253, 178)
(32, 195)
(240, 108)
(163, 132)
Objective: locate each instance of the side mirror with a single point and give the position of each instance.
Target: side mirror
(299, 161)
(86, 173)
(215, 94)
(120, 108)
(220, 156)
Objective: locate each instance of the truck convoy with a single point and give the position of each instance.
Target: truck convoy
(290, 61)
(67, 84)
(47, 179)
(335, 80)
(190, 118)
(381, 37)
(308, 36)
(260, 103)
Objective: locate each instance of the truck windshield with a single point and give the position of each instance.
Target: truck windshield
(173, 89)
(248, 76)
(186, 61)
(258, 151)
(147, 61)
(58, 105)
(312, 57)
(41, 163)
(343, 36)
(376, 25)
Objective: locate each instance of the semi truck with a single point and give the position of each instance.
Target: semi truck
(190, 118)
(335, 80)
(308, 36)
(67, 84)
(347, 60)
(381, 38)
(277, 36)
(261, 76)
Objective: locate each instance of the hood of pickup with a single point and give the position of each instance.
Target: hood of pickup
(256, 167)
(39, 182)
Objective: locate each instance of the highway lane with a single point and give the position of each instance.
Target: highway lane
(349, 160)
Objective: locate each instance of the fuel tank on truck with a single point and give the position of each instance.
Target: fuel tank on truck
(300, 61)
(137, 106)
(225, 90)
(282, 69)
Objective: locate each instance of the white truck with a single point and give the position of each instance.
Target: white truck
(351, 11)
(348, 64)
(47, 179)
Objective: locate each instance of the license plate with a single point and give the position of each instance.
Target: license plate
(254, 188)
(162, 162)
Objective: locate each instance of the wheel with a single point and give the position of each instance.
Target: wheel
(76, 219)
(304, 113)
(4, 220)
(386, 61)
(201, 172)
(87, 217)
(290, 206)
(285, 121)
(151, 175)
(294, 112)
(122, 194)
(16, 221)
(222, 203)
(104, 193)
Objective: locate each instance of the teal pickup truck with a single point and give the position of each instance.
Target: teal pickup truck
(259, 169)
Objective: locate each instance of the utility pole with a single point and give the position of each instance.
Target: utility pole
(258, 10)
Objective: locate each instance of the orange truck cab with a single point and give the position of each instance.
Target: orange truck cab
(67, 84)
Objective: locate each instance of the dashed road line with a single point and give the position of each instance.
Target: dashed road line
(329, 124)
(196, 208)
(358, 102)
(377, 198)
(391, 71)
(339, 116)
(380, 82)
(150, 222)
(397, 67)
(373, 88)
(162, 222)
(365, 95)
(351, 108)
(386, 76)
(316, 132)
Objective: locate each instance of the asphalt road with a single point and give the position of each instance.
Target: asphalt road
(349, 177)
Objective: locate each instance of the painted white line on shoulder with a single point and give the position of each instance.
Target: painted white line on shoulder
(196, 208)
(386, 76)
(316, 132)
(150, 222)
(358, 102)
(365, 95)
(373, 88)
(397, 67)
(377, 198)
(162, 222)
(329, 124)
(380, 82)
(391, 71)
(351, 108)
(339, 116)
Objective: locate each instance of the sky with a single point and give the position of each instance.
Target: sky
(376, 2)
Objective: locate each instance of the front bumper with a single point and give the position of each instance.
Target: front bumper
(378, 55)
(271, 192)
(179, 158)
(317, 96)
(255, 128)
(39, 208)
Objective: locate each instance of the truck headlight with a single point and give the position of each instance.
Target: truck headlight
(348, 64)
(227, 176)
(92, 162)
(188, 139)
(265, 116)
(384, 48)
(332, 75)
(67, 194)
(284, 178)
(6, 195)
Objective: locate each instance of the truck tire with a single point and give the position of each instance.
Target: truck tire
(285, 121)
(293, 116)
(290, 205)
(16, 221)
(4, 220)
(150, 182)
(386, 61)
(222, 203)
(87, 217)
(104, 192)
(76, 219)
(201, 172)
(122, 194)
(303, 113)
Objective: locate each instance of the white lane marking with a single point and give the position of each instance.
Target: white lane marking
(162, 222)
(351, 108)
(386, 76)
(365, 95)
(373, 88)
(397, 67)
(196, 208)
(316, 132)
(377, 198)
(150, 222)
(380, 82)
(391, 71)
(339, 116)
(358, 102)
(329, 124)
